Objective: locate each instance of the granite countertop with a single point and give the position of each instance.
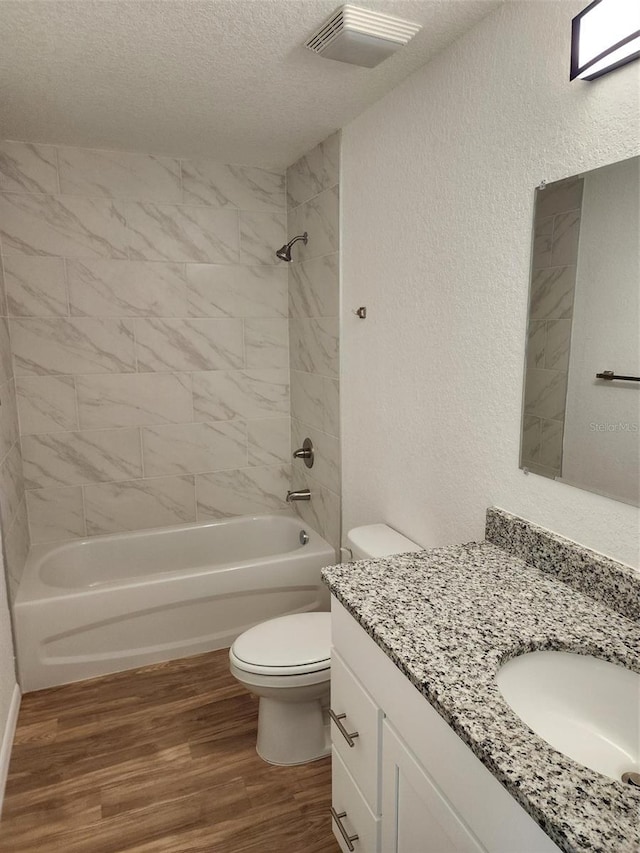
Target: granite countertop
(448, 618)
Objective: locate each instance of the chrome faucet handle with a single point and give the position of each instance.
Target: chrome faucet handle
(305, 452)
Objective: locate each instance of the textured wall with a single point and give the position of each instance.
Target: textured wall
(437, 203)
(149, 331)
(314, 295)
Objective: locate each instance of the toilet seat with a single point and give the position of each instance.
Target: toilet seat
(282, 682)
(271, 671)
(293, 645)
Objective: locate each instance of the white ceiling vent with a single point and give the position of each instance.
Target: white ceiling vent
(361, 37)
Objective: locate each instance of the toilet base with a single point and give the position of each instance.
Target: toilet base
(292, 732)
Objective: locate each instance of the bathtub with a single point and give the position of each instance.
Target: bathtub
(109, 603)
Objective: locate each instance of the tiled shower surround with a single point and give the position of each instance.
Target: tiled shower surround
(553, 277)
(13, 510)
(314, 291)
(149, 326)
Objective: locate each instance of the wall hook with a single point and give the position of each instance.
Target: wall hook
(361, 312)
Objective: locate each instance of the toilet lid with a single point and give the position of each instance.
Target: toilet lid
(301, 641)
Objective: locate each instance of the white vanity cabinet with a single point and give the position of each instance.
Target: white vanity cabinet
(403, 781)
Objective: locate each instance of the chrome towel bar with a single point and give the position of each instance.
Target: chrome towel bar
(609, 374)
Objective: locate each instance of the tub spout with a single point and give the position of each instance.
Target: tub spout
(299, 495)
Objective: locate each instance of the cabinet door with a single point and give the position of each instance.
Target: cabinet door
(416, 817)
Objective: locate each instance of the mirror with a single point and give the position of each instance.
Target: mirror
(584, 313)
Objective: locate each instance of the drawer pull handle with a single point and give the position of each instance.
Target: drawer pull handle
(348, 736)
(348, 839)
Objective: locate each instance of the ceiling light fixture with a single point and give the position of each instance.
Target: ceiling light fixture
(604, 36)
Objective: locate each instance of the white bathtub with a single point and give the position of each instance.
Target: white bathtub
(110, 603)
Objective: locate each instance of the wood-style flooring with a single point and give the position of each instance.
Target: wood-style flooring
(157, 760)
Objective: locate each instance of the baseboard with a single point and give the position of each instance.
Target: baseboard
(7, 741)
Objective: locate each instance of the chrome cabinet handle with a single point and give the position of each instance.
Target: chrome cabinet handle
(348, 839)
(348, 736)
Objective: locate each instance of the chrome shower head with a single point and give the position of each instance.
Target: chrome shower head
(284, 252)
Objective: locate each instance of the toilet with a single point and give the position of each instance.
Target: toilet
(375, 541)
(286, 662)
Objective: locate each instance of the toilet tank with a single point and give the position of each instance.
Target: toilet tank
(373, 541)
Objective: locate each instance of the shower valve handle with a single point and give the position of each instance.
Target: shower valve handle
(305, 452)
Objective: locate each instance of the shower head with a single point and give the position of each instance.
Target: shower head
(284, 252)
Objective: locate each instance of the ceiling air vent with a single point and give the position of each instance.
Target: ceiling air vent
(360, 37)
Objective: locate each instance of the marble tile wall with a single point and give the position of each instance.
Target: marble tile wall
(553, 277)
(13, 513)
(149, 326)
(314, 295)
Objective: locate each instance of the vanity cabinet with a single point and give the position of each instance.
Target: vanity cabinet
(403, 781)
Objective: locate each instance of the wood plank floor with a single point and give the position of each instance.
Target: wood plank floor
(157, 760)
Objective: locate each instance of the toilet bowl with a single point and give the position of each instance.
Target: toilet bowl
(286, 662)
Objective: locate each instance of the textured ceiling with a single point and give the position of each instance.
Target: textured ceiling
(226, 79)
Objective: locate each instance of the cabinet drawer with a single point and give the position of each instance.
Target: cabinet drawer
(357, 818)
(363, 716)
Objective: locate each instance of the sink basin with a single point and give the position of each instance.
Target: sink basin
(584, 707)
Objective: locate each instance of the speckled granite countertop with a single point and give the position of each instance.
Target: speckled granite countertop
(448, 618)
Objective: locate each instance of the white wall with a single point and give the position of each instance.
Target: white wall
(599, 453)
(438, 184)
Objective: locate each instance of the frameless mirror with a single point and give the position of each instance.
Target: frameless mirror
(584, 320)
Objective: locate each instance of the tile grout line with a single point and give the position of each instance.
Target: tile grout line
(315, 196)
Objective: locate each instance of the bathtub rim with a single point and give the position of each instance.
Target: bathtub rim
(32, 588)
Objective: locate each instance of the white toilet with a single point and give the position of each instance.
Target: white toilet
(286, 662)
(375, 541)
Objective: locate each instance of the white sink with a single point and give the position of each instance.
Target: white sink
(584, 707)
